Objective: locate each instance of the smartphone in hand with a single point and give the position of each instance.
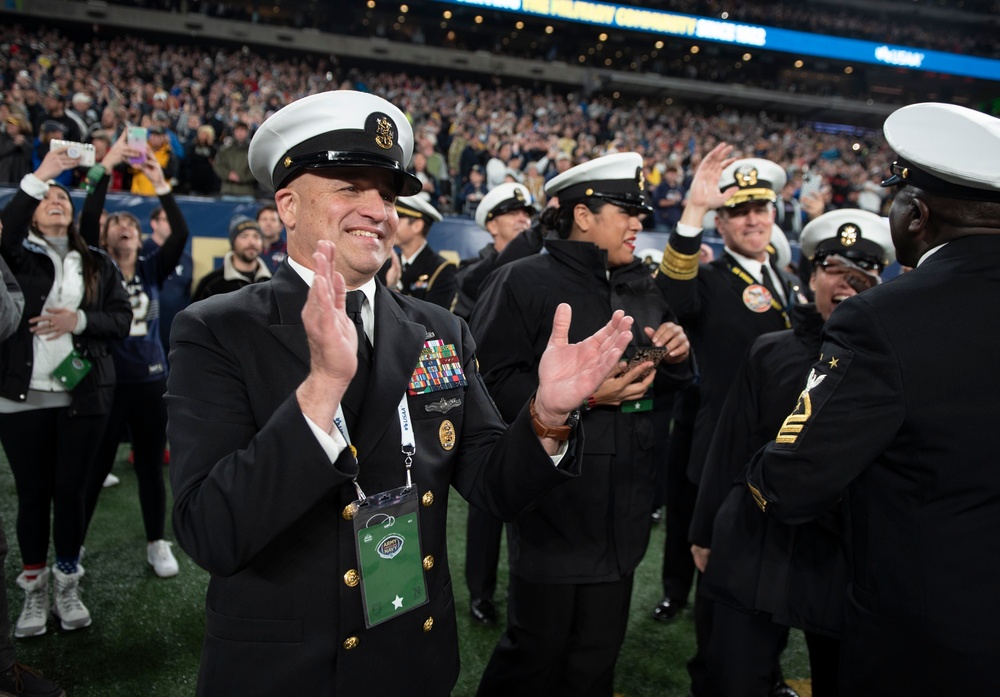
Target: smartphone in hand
(642, 355)
(136, 139)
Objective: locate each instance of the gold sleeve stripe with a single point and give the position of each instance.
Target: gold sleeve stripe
(681, 267)
(758, 497)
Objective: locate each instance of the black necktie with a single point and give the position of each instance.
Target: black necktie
(765, 273)
(355, 300)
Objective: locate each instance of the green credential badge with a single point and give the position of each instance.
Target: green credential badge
(392, 574)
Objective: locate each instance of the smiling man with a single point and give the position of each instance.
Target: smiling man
(316, 433)
(724, 305)
(765, 576)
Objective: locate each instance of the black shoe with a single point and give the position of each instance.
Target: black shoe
(21, 681)
(667, 610)
(782, 689)
(657, 515)
(483, 612)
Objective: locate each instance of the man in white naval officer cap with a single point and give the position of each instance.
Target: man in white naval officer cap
(894, 422)
(741, 552)
(315, 431)
(724, 305)
(423, 273)
(507, 212)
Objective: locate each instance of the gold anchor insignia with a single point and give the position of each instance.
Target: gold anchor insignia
(519, 195)
(640, 178)
(746, 176)
(849, 234)
(288, 162)
(383, 133)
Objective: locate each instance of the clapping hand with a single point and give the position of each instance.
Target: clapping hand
(569, 373)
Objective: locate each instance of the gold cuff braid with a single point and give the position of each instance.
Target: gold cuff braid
(681, 267)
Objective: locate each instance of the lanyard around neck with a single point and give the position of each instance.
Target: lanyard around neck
(407, 444)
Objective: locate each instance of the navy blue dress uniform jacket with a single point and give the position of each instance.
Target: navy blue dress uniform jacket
(258, 504)
(430, 277)
(898, 419)
(708, 300)
(595, 528)
(797, 573)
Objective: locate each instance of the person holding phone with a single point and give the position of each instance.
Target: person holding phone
(140, 360)
(75, 305)
(572, 556)
(159, 149)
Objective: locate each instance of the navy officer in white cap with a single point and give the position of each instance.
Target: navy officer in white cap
(895, 420)
(507, 212)
(315, 432)
(724, 305)
(423, 273)
(764, 576)
(573, 556)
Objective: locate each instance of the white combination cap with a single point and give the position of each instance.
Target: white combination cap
(860, 236)
(418, 206)
(615, 178)
(334, 129)
(757, 179)
(945, 149)
(504, 198)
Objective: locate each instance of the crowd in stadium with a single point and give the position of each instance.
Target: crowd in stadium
(198, 95)
(321, 149)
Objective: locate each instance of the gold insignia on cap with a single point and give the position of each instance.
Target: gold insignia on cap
(746, 176)
(427, 499)
(640, 178)
(287, 161)
(446, 434)
(519, 195)
(383, 133)
(589, 192)
(849, 234)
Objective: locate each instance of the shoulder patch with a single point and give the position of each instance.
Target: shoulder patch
(823, 379)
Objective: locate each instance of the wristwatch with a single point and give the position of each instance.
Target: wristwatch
(555, 432)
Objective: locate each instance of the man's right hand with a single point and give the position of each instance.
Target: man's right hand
(704, 194)
(700, 555)
(333, 340)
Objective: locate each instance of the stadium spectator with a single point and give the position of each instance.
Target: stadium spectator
(241, 266)
(232, 166)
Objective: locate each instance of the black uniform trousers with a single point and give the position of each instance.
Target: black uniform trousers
(561, 640)
(482, 553)
(678, 565)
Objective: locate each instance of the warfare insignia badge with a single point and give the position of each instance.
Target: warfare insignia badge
(443, 406)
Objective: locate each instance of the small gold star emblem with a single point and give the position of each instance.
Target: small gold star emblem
(833, 362)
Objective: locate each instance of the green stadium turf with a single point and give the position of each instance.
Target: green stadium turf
(147, 632)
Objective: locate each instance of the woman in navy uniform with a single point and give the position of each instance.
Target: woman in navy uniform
(572, 556)
(764, 576)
